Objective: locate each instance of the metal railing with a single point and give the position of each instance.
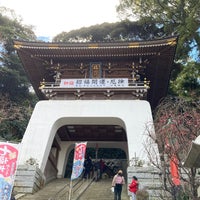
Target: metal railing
(62, 194)
(78, 187)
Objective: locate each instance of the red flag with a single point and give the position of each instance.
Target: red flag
(174, 171)
(79, 156)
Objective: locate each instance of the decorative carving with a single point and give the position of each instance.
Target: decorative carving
(108, 94)
(79, 94)
(109, 67)
(134, 71)
(96, 70)
(42, 84)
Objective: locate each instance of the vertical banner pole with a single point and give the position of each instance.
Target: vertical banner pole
(96, 152)
(70, 190)
(78, 163)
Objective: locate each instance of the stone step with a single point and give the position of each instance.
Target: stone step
(101, 190)
(48, 191)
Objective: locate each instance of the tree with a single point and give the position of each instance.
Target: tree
(106, 32)
(187, 83)
(13, 79)
(180, 17)
(177, 123)
(184, 80)
(15, 98)
(13, 119)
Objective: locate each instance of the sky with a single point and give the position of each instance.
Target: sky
(50, 17)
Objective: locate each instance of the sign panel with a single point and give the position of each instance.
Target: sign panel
(94, 83)
(8, 164)
(79, 157)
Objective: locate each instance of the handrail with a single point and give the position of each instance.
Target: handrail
(61, 193)
(77, 188)
(77, 185)
(77, 192)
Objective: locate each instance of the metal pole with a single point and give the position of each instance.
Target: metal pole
(96, 152)
(70, 190)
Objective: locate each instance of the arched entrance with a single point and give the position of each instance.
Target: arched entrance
(96, 136)
(125, 122)
(100, 135)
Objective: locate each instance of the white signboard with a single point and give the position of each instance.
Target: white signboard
(94, 83)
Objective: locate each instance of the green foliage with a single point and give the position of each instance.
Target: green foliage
(16, 102)
(12, 130)
(187, 83)
(11, 29)
(13, 84)
(172, 17)
(14, 118)
(13, 80)
(177, 17)
(120, 31)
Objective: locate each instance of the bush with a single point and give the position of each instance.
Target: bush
(142, 195)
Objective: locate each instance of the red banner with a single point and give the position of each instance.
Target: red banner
(174, 171)
(79, 157)
(8, 164)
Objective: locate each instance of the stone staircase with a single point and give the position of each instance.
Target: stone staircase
(100, 190)
(47, 192)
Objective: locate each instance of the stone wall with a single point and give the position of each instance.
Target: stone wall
(50, 171)
(148, 178)
(28, 179)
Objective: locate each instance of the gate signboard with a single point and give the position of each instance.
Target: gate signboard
(94, 83)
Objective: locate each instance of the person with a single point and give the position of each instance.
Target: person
(133, 187)
(117, 182)
(88, 167)
(102, 167)
(96, 170)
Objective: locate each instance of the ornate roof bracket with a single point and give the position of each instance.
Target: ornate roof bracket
(79, 94)
(108, 94)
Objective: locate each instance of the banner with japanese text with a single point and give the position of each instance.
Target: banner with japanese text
(94, 83)
(8, 165)
(79, 157)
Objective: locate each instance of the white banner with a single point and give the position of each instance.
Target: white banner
(8, 165)
(79, 157)
(94, 83)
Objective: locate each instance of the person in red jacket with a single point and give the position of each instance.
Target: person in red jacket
(133, 187)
